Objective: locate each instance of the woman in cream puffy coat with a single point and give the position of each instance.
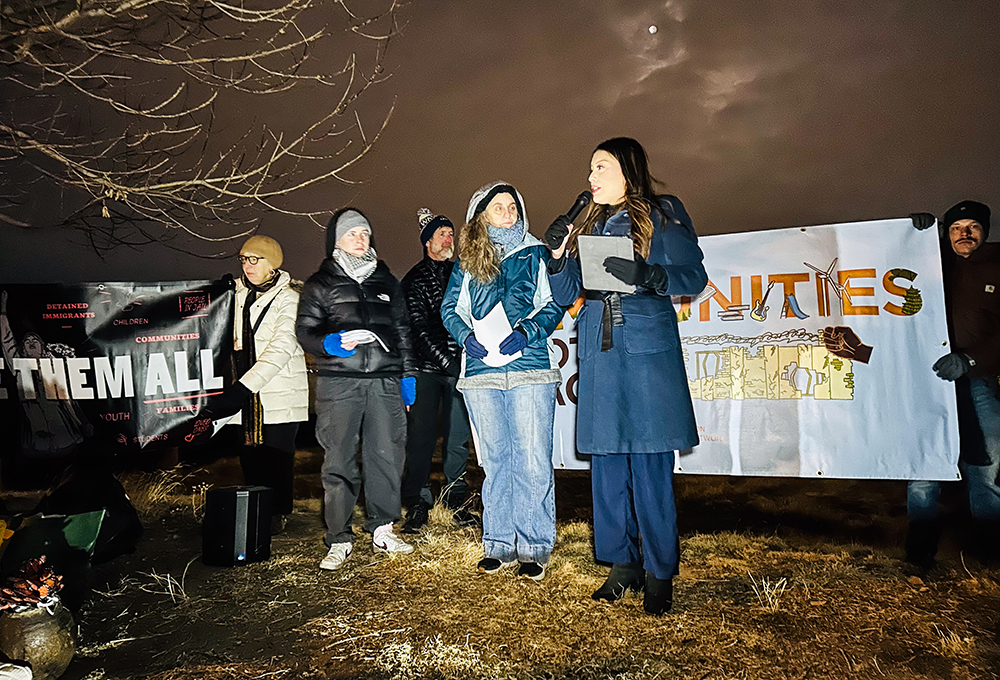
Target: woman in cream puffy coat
(271, 395)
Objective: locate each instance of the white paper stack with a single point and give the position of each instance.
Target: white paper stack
(362, 336)
(490, 331)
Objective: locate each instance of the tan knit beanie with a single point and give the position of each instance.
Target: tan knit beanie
(266, 247)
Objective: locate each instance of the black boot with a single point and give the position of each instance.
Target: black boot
(922, 542)
(622, 577)
(987, 546)
(659, 595)
(416, 518)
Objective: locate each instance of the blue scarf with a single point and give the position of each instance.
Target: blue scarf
(505, 239)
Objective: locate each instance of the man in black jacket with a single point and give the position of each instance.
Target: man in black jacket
(352, 320)
(972, 296)
(440, 363)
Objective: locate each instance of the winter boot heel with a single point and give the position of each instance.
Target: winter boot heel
(622, 577)
(659, 595)
(922, 542)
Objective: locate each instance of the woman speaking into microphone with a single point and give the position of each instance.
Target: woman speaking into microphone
(634, 406)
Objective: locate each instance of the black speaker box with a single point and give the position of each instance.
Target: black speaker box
(237, 526)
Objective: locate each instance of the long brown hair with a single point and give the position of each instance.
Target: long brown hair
(476, 252)
(640, 195)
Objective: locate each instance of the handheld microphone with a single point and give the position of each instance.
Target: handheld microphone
(559, 229)
(581, 202)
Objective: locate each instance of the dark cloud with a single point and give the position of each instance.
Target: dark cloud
(757, 114)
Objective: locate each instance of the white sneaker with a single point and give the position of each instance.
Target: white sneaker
(335, 558)
(383, 539)
(10, 671)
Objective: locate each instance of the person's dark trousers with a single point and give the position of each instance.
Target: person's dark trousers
(436, 394)
(273, 464)
(369, 411)
(633, 496)
(456, 450)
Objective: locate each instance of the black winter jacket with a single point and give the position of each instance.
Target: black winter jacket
(972, 294)
(423, 287)
(331, 302)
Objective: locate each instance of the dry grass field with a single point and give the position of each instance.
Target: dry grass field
(780, 579)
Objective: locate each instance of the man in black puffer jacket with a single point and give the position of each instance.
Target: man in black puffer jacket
(440, 362)
(352, 320)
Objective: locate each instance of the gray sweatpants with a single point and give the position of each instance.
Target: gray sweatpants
(370, 410)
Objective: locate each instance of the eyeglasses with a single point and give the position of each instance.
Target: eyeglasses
(251, 259)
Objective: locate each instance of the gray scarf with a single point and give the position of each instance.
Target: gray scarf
(358, 268)
(505, 240)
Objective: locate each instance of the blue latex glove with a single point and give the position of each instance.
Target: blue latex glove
(333, 346)
(953, 366)
(514, 343)
(408, 390)
(474, 348)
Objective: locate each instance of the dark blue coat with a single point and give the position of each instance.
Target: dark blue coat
(634, 398)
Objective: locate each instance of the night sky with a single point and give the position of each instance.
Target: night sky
(757, 115)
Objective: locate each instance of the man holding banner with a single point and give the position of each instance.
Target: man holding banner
(972, 293)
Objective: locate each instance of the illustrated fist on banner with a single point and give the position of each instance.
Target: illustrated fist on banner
(843, 342)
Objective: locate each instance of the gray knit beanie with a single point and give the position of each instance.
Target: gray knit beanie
(341, 223)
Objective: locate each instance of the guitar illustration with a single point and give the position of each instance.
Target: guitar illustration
(759, 311)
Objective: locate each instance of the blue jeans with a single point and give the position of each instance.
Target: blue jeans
(979, 429)
(514, 439)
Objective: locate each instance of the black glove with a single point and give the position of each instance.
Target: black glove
(557, 231)
(230, 402)
(953, 366)
(637, 272)
(922, 220)
(228, 280)
(556, 266)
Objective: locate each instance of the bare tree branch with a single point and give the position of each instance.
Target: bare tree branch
(152, 118)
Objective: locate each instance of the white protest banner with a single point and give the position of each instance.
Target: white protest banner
(809, 355)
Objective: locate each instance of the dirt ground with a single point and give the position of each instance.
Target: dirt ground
(781, 578)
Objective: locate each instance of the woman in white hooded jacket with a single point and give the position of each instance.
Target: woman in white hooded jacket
(271, 395)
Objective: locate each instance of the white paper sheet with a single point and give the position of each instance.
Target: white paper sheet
(490, 331)
(221, 423)
(361, 336)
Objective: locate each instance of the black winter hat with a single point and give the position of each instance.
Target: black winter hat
(429, 223)
(968, 210)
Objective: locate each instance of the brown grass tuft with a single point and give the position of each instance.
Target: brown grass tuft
(153, 494)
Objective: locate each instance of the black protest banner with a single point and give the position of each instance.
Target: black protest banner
(122, 365)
